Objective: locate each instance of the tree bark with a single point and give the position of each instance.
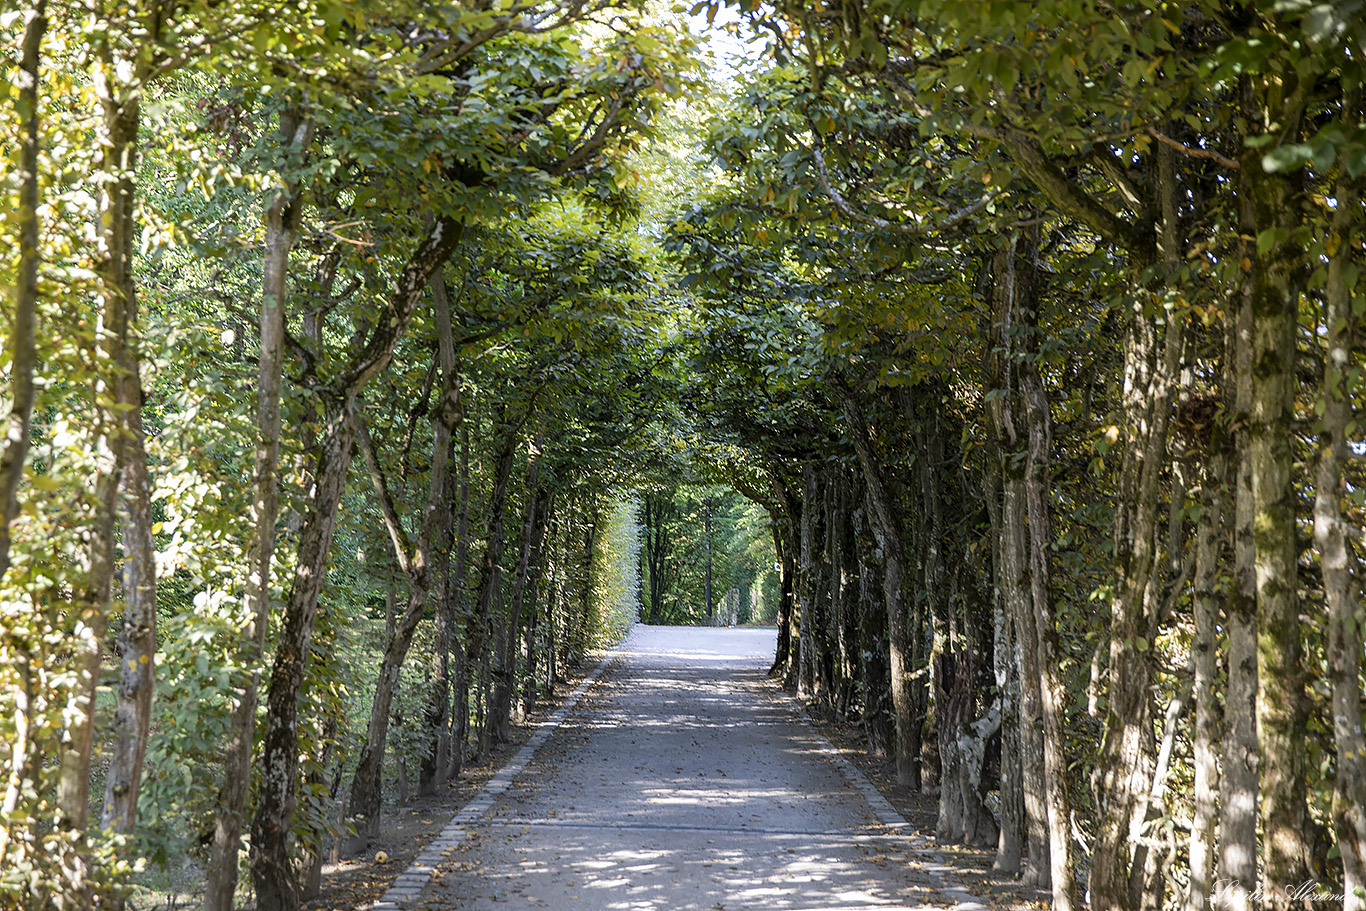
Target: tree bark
(533, 638)
(22, 357)
(1238, 788)
(1123, 771)
(271, 864)
(460, 702)
(1010, 844)
(116, 88)
(449, 414)
(505, 667)
(807, 587)
(413, 558)
(963, 818)
(282, 231)
(1281, 708)
(888, 533)
(478, 628)
(786, 538)
(138, 637)
(1052, 687)
(1338, 559)
(843, 569)
(1205, 677)
(272, 868)
(875, 680)
(655, 552)
(706, 582)
(1012, 293)
(787, 569)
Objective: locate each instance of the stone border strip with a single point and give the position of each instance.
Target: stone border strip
(409, 884)
(933, 862)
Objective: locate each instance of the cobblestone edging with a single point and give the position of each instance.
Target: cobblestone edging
(410, 883)
(932, 863)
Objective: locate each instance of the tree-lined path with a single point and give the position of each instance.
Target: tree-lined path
(365, 366)
(681, 780)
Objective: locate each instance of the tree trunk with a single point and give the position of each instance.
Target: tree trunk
(271, 865)
(413, 559)
(887, 531)
(116, 364)
(963, 818)
(1012, 296)
(787, 569)
(1010, 845)
(1047, 643)
(1205, 676)
(138, 637)
(843, 570)
(807, 587)
(875, 680)
(449, 414)
(786, 536)
(460, 703)
(1052, 687)
(533, 628)
(655, 552)
(1238, 787)
(272, 868)
(581, 642)
(505, 667)
(1123, 772)
(478, 629)
(282, 231)
(1281, 705)
(14, 446)
(1011, 841)
(1023, 621)
(364, 803)
(1341, 569)
(555, 607)
(706, 581)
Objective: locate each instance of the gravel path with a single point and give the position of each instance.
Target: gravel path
(679, 778)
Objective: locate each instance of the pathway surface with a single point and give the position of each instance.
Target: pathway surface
(680, 779)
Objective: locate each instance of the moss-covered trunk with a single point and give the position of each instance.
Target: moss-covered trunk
(1282, 711)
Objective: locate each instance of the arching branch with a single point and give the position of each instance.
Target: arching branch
(919, 228)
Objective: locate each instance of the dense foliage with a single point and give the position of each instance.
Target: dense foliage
(366, 365)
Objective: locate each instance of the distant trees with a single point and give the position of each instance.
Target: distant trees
(691, 533)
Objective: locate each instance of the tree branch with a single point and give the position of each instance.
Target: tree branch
(1070, 199)
(919, 228)
(1194, 153)
(404, 551)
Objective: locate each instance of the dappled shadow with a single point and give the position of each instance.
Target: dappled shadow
(635, 869)
(682, 782)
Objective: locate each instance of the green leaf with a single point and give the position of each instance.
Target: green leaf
(1325, 153)
(1319, 24)
(1286, 158)
(1356, 162)
(1270, 238)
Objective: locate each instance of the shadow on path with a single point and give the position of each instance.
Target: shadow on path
(680, 779)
